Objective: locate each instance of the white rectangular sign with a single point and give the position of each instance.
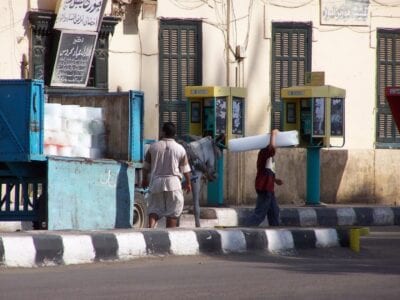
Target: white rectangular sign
(83, 15)
(345, 12)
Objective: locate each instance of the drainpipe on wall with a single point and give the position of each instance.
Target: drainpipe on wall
(228, 32)
(24, 67)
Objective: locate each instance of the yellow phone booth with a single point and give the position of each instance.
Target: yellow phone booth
(317, 113)
(216, 111)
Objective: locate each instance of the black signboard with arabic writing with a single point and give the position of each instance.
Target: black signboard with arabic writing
(73, 59)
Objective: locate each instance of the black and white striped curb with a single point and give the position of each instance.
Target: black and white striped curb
(46, 249)
(313, 216)
(342, 216)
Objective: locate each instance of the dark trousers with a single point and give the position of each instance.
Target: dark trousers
(266, 205)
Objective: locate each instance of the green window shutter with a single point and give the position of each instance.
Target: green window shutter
(388, 74)
(180, 65)
(291, 58)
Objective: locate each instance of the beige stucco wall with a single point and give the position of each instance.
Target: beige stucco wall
(347, 55)
(347, 176)
(13, 38)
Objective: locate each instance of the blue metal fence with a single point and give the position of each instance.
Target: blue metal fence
(20, 200)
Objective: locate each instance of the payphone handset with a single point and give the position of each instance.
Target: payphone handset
(208, 117)
(305, 120)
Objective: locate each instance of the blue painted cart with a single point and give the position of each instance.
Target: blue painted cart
(57, 192)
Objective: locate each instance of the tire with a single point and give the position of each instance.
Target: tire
(140, 217)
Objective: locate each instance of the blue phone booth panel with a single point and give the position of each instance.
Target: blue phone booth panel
(21, 120)
(136, 107)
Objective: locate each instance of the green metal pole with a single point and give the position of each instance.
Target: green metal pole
(313, 175)
(215, 189)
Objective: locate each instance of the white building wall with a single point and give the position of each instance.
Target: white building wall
(13, 38)
(347, 55)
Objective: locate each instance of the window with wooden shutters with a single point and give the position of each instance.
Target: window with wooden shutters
(180, 66)
(388, 74)
(291, 58)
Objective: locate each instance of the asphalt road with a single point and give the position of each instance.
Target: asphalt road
(336, 273)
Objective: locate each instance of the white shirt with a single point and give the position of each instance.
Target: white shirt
(270, 164)
(167, 160)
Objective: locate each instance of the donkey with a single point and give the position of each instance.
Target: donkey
(202, 154)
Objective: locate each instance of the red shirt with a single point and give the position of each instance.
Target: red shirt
(265, 178)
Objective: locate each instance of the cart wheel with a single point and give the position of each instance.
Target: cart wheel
(140, 218)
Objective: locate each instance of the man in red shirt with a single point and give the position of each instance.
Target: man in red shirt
(266, 204)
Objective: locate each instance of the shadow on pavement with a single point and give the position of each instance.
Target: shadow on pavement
(379, 254)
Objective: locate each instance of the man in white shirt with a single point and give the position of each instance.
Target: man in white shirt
(166, 161)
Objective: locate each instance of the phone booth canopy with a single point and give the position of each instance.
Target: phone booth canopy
(317, 112)
(393, 98)
(215, 111)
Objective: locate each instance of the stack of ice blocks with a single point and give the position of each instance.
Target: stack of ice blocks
(74, 131)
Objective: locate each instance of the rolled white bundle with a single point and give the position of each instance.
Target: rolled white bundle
(64, 151)
(70, 111)
(80, 113)
(52, 109)
(94, 113)
(85, 140)
(55, 137)
(52, 122)
(73, 139)
(50, 150)
(283, 139)
(74, 125)
(81, 151)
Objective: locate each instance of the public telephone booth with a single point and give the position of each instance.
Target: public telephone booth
(317, 113)
(216, 111)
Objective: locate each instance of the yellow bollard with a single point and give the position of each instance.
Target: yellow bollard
(355, 234)
(355, 239)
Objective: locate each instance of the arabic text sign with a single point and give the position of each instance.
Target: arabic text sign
(79, 14)
(345, 12)
(74, 58)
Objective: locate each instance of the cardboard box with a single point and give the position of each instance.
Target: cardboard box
(315, 78)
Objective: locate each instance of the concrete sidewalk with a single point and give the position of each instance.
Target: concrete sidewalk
(49, 248)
